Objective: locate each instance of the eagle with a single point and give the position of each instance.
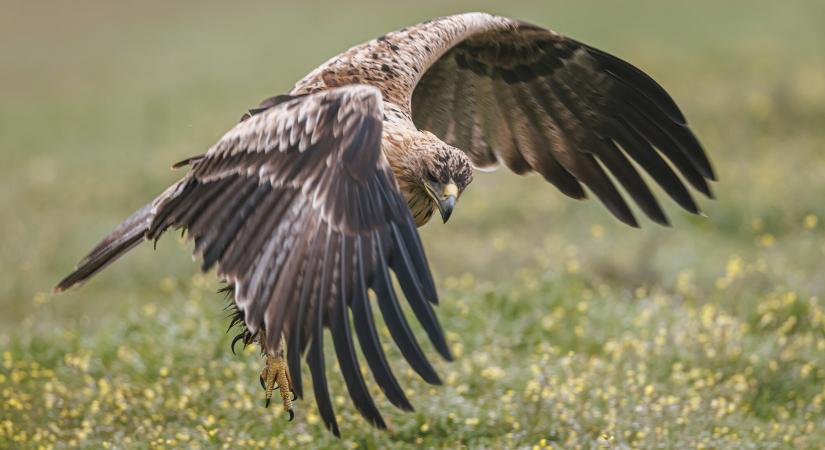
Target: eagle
(313, 199)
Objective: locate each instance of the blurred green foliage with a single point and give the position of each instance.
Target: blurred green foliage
(574, 331)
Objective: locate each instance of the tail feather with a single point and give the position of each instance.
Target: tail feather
(125, 237)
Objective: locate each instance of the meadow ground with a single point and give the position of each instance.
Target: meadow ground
(571, 330)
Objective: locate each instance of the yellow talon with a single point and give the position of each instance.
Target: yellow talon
(276, 374)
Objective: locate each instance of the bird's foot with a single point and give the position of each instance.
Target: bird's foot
(275, 375)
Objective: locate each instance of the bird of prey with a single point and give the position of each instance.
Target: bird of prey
(315, 196)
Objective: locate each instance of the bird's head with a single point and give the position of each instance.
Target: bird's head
(431, 174)
(443, 174)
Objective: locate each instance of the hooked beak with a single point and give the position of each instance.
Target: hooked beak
(447, 200)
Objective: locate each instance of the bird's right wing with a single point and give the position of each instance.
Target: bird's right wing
(298, 208)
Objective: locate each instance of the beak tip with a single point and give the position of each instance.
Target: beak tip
(446, 206)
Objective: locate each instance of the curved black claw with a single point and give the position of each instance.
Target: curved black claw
(291, 415)
(266, 403)
(263, 383)
(294, 395)
(235, 341)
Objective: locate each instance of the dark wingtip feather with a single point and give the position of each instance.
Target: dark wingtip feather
(614, 202)
(416, 252)
(645, 155)
(613, 158)
(675, 139)
(405, 272)
(350, 368)
(125, 237)
(73, 279)
(709, 193)
(402, 335)
(368, 338)
(315, 358)
(655, 213)
(641, 81)
(446, 353)
(620, 210)
(663, 220)
(394, 317)
(633, 222)
(693, 150)
(713, 175)
(701, 185)
(641, 91)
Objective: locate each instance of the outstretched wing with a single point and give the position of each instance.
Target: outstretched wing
(511, 92)
(298, 209)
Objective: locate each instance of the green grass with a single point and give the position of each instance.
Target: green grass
(572, 330)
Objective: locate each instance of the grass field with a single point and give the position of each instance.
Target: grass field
(572, 330)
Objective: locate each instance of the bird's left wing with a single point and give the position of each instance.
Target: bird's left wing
(299, 209)
(505, 91)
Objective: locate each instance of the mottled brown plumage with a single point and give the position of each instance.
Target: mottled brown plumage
(314, 197)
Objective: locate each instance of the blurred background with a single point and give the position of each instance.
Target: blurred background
(99, 98)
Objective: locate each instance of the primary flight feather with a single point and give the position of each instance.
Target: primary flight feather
(313, 199)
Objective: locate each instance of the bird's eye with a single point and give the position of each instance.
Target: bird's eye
(431, 178)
